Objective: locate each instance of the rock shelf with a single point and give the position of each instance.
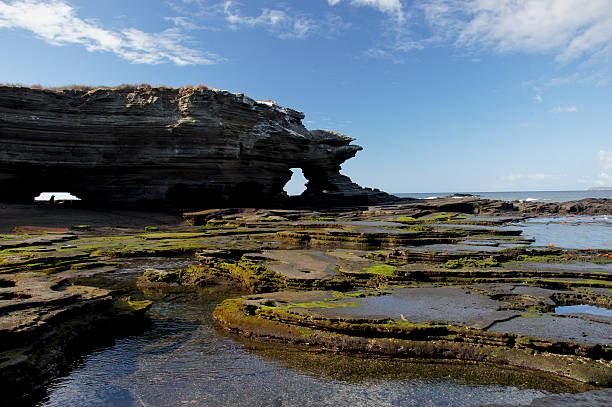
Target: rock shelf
(404, 280)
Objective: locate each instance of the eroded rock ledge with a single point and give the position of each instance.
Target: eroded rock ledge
(187, 147)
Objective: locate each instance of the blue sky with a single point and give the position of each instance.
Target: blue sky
(444, 95)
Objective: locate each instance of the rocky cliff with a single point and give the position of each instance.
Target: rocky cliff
(187, 147)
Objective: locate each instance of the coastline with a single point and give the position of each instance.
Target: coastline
(349, 255)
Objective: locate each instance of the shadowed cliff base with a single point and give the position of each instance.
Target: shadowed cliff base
(146, 147)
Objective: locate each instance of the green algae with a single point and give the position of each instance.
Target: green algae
(318, 218)
(162, 236)
(385, 270)
(255, 277)
(258, 278)
(326, 303)
(406, 219)
(188, 276)
(542, 258)
(86, 249)
(137, 305)
(405, 338)
(565, 256)
(360, 294)
(155, 276)
(433, 218)
(47, 264)
(439, 217)
(561, 283)
(468, 262)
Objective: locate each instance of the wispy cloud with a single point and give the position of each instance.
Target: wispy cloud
(564, 109)
(529, 177)
(267, 17)
(531, 181)
(56, 23)
(601, 180)
(568, 30)
(538, 98)
(182, 22)
(278, 21)
(605, 159)
(391, 7)
(382, 54)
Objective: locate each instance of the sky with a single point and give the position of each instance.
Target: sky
(444, 95)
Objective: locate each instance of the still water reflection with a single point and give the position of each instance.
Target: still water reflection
(575, 232)
(183, 360)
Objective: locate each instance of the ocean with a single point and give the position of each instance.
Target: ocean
(540, 196)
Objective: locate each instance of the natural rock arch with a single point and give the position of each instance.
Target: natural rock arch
(161, 147)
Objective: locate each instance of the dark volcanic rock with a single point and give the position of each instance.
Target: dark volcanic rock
(588, 206)
(187, 147)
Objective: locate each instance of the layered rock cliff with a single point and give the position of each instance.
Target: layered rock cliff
(187, 147)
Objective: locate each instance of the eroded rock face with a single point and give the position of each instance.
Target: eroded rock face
(187, 147)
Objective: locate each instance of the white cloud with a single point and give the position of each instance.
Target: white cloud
(267, 17)
(538, 98)
(182, 22)
(56, 23)
(567, 29)
(391, 7)
(382, 54)
(531, 181)
(564, 109)
(529, 177)
(605, 159)
(279, 21)
(602, 180)
(302, 27)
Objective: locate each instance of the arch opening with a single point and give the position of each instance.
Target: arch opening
(56, 197)
(297, 183)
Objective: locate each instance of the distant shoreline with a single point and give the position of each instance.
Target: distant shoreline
(525, 196)
(600, 189)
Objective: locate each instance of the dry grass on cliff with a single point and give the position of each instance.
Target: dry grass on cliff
(124, 86)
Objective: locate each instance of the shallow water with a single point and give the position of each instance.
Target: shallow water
(570, 232)
(183, 360)
(583, 309)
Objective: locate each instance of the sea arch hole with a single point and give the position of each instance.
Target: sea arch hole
(56, 197)
(297, 183)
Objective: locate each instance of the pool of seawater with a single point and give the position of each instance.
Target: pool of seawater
(184, 360)
(575, 232)
(584, 309)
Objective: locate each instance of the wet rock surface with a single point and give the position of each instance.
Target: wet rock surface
(586, 399)
(403, 280)
(588, 206)
(46, 322)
